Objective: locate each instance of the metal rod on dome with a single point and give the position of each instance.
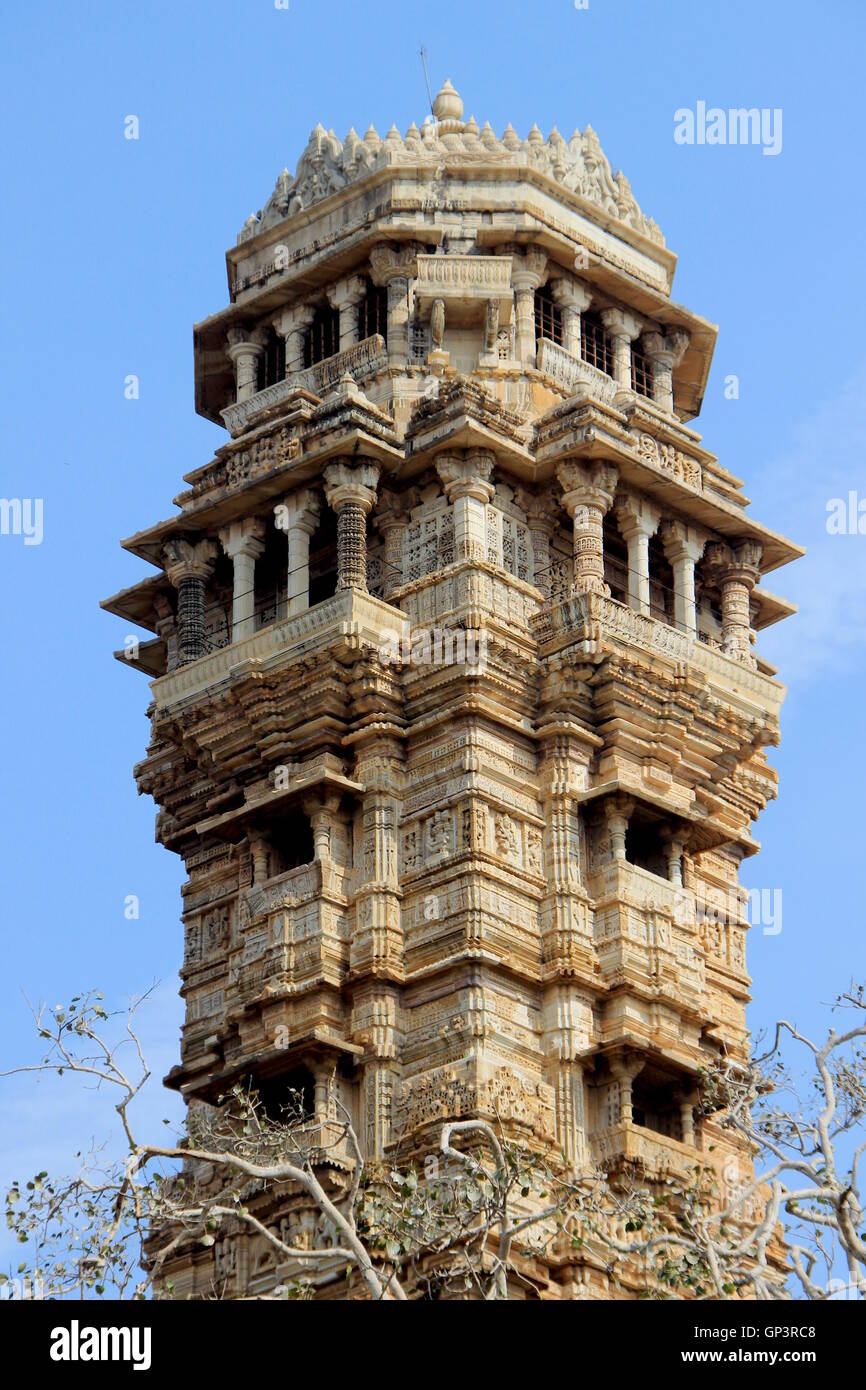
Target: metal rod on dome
(423, 52)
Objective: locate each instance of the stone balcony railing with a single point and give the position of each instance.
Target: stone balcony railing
(657, 934)
(464, 278)
(656, 1153)
(591, 618)
(577, 377)
(350, 615)
(362, 360)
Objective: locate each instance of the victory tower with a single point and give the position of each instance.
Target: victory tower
(457, 718)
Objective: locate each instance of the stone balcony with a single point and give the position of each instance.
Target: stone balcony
(351, 616)
(655, 1153)
(580, 379)
(587, 620)
(360, 361)
(645, 927)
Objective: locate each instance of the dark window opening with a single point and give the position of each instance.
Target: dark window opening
(644, 846)
(615, 559)
(270, 579)
(287, 1097)
(641, 373)
(291, 840)
(595, 345)
(323, 558)
(548, 316)
(272, 362)
(661, 578)
(373, 312)
(322, 338)
(654, 1105)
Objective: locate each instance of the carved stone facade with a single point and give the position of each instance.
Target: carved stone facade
(458, 722)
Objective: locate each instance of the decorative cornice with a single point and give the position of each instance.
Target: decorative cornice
(328, 165)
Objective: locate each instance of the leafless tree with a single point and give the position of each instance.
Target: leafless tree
(484, 1207)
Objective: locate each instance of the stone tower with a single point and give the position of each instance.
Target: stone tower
(457, 718)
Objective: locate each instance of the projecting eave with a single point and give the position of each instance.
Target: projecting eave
(136, 603)
(149, 658)
(771, 608)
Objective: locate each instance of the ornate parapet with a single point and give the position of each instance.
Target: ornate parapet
(577, 377)
(669, 459)
(454, 1093)
(360, 361)
(349, 616)
(480, 278)
(593, 618)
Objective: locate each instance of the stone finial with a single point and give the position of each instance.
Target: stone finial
(447, 104)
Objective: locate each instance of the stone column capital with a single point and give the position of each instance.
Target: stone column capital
(636, 516)
(389, 262)
(348, 291)
(345, 483)
(666, 349)
(620, 323)
(184, 559)
(245, 342)
(625, 1066)
(299, 510)
(393, 509)
(295, 319)
(741, 562)
(246, 537)
(528, 270)
(571, 294)
(467, 475)
(541, 509)
(682, 541)
(587, 485)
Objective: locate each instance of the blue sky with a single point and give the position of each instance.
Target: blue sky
(113, 248)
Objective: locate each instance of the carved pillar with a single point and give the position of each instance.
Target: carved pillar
(322, 809)
(674, 846)
(622, 328)
(665, 352)
(684, 546)
(688, 1099)
(293, 325)
(345, 296)
(617, 813)
(394, 266)
(638, 519)
(323, 1086)
(392, 517)
(466, 479)
(298, 516)
(541, 510)
(527, 274)
(573, 299)
(189, 566)
(351, 491)
(587, 494)
(166, 630)
(736, 572)
(243, 542)
(245, 349)
(625, 1066)
(259, 854)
